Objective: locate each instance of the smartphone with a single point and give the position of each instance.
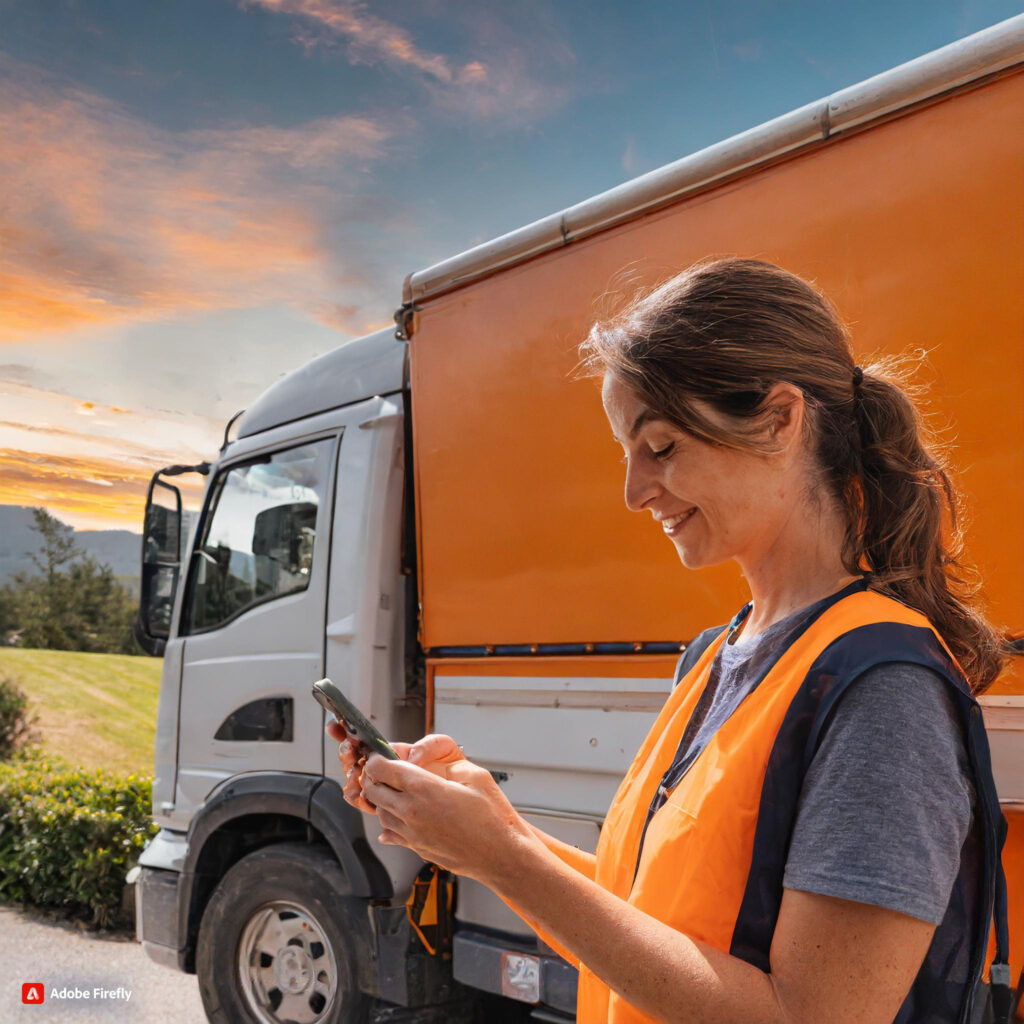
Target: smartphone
(354, 722)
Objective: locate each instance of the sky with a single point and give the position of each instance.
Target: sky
(198, 196)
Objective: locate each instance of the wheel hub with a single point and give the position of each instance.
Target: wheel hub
(293, 969)
(286, 967)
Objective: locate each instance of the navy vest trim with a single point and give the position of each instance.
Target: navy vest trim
(844, 661)
(673, 776)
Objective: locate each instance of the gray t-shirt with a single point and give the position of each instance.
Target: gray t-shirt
(887, 801)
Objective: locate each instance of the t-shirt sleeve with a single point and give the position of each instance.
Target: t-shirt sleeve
(887, 801)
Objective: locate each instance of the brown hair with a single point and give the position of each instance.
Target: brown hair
(725, 331)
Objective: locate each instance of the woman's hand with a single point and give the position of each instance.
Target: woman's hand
(435, 802)
(449, 811)
(434, 753)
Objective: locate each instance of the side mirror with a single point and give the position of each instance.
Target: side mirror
(161, 564)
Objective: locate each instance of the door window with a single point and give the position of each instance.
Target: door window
(258, 539)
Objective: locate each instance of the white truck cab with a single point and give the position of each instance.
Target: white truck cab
(294, 572)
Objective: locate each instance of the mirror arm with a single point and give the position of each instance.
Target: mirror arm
(201, 467)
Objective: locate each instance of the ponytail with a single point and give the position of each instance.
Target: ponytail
(905, 521)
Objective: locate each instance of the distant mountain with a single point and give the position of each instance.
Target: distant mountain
(120, 549)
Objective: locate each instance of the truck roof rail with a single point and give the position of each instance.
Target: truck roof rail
(968, 60)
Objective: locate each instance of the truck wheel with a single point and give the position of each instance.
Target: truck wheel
(279, 942)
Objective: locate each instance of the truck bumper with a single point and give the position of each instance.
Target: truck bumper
(482, 961)
(156, 916)
(157, 885)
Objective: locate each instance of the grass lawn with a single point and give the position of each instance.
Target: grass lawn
(94, 710)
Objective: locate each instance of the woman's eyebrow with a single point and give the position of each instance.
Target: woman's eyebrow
(647, 416)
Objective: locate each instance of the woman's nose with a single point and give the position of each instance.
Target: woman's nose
(641, 485)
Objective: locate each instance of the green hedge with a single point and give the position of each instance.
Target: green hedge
(68, 836)
(15, 719)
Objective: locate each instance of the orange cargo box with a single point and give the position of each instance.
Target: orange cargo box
(912, 223)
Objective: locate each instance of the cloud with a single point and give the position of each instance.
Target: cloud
(93, 471)
(22, 373)
(522, 69)
(109, 219)
(510, 74)
(57, 424)
(633, 162)
(370, 38)
(87, 493)
(349, 319)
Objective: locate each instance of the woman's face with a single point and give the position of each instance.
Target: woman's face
(713, 503)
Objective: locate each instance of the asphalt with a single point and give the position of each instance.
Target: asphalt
(60, 956)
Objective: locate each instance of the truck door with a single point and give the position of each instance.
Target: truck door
(253, 617)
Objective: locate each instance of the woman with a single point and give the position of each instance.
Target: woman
(786, 847)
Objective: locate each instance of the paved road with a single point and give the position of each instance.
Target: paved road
(60, 956)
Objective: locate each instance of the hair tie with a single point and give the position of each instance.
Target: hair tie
(858, 377)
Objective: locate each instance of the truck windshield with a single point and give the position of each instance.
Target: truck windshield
(258, 540)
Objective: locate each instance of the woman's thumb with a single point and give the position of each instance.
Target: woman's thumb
(435, 747)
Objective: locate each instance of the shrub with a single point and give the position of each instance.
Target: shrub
(15, 721)
(68, 836)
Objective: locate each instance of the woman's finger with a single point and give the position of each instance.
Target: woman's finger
(348, 755)
(379, 794)
(390, 822)
(353, 795)
(336, 730)
(396, 774)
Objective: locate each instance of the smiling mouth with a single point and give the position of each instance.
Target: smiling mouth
(670, 526)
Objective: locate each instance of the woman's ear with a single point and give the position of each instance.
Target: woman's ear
(784, 407)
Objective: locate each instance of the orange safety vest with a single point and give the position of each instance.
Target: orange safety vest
(713, 855)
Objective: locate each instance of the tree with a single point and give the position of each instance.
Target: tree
(58, 544)
(102, 610)
(8, 611)
(43, 603)
(75, 604)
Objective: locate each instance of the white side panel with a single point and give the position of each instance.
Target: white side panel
(565, 742)
(478, 905)
(1004, 722)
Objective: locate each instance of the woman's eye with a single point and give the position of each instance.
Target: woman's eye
(662, 453)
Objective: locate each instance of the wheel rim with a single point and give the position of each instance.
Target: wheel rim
(286, 967)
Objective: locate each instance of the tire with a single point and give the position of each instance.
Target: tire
(280, 941)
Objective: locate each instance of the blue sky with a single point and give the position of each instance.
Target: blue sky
(201, 195)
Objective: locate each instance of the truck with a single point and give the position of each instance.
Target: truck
(431, 516)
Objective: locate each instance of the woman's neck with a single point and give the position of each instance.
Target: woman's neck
(803, 564)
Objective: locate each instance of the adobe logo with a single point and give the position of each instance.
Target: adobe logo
(33, 992)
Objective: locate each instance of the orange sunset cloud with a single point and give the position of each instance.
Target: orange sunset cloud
(90, 494)
(370, 37)
(86, 462)
(108, 219)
